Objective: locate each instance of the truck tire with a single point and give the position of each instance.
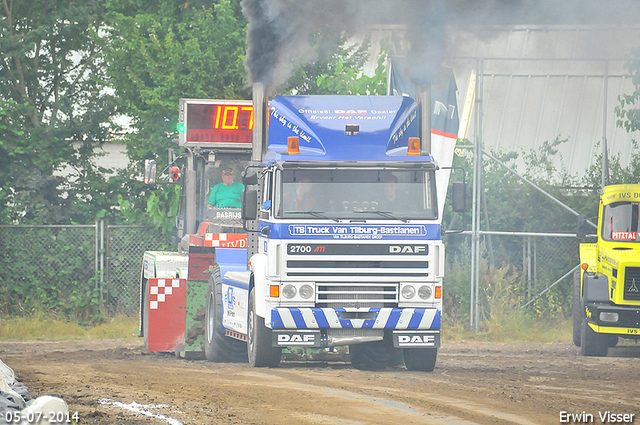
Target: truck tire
(374, 355)
(592, 343)
(217, 347)
(259, 349)
(577, 308)
(420, 359)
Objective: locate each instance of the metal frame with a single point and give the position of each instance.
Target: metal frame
(478, 184)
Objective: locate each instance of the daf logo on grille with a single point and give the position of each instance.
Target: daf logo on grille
(633, 287)
(403, 249)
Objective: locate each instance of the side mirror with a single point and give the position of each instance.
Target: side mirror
(150, 171)
(459, 197)
(250, 180)
(581, 227)
(249, 209)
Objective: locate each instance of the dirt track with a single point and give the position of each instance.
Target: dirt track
(473, 382)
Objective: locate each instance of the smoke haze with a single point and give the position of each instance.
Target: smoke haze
(280, 30)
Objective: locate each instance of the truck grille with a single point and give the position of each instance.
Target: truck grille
(632, 283)
(359, 268)
(372, 295)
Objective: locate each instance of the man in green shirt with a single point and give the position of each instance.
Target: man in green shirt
(228, 193)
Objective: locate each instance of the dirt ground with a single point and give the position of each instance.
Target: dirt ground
(116, 382)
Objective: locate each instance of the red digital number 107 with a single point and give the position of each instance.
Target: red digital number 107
(227, 117)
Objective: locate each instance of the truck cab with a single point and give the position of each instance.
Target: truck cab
(345, 240)
(607, 288)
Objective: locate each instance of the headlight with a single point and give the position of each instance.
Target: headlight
(425, 292)
(408, 292)
(289, 291)
(306, 291)
(609, 317)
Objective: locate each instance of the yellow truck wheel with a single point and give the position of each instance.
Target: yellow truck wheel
(592, 343)
(577, 308)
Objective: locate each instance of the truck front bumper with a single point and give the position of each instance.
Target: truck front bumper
(355, 318)
(626, 325)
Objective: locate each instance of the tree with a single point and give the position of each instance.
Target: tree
(53, 107)
(338, 69)
(628, 108)
(159, 52)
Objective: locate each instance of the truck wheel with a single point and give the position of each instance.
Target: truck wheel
(421, 359)
(591, 343)
(577, 308)
(259, 349)
(374, 355)
(612, 341)
(217, 347)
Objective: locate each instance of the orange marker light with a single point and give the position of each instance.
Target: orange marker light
(293, 145)
(414, 146)
(438, 292)
(274, 291)
(584, 266)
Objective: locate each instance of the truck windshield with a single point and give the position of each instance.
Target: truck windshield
(620, 222)
(357, 194)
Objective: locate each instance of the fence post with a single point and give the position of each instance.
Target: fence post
(101, 259)
(107, 266)
(535, 263)
(96, 265)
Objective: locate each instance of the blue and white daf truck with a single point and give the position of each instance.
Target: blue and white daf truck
(344, 240)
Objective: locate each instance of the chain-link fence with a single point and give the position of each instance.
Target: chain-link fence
(531, 269)
(126, 244)
(66, 269)
(45, 266)
(540, 259)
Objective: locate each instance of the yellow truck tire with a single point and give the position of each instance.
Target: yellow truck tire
(577, 308)
(592, 343)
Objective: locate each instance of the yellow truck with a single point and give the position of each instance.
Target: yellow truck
(606, 296)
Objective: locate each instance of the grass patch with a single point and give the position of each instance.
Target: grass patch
(519, 327)
(53, 328)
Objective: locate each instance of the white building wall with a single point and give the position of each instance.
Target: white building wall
(540, 83)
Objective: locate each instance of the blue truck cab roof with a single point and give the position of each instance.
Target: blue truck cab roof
(325, 127)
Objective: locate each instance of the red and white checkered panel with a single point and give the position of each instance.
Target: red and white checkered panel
(226, 240)
(167, 314)
(160, 289)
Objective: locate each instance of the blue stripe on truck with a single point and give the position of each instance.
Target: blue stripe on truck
(324, 318)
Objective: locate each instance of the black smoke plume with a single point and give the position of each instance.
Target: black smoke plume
(280, 30)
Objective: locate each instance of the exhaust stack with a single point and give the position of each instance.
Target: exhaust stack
(423, 93)
(258, 138)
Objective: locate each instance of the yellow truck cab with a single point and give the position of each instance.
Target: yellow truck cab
(606, 300)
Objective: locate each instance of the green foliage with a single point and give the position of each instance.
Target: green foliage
(53, 107)
(501, 296)
(160, 211)
(349, 80)
(45, 270)
(338, 68)
(159, 52)
(514, 205)
(628, 108)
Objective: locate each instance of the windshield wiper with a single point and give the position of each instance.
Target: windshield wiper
(318, 214)
(386, 214)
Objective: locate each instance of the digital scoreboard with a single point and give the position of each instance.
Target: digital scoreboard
(220, 123)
